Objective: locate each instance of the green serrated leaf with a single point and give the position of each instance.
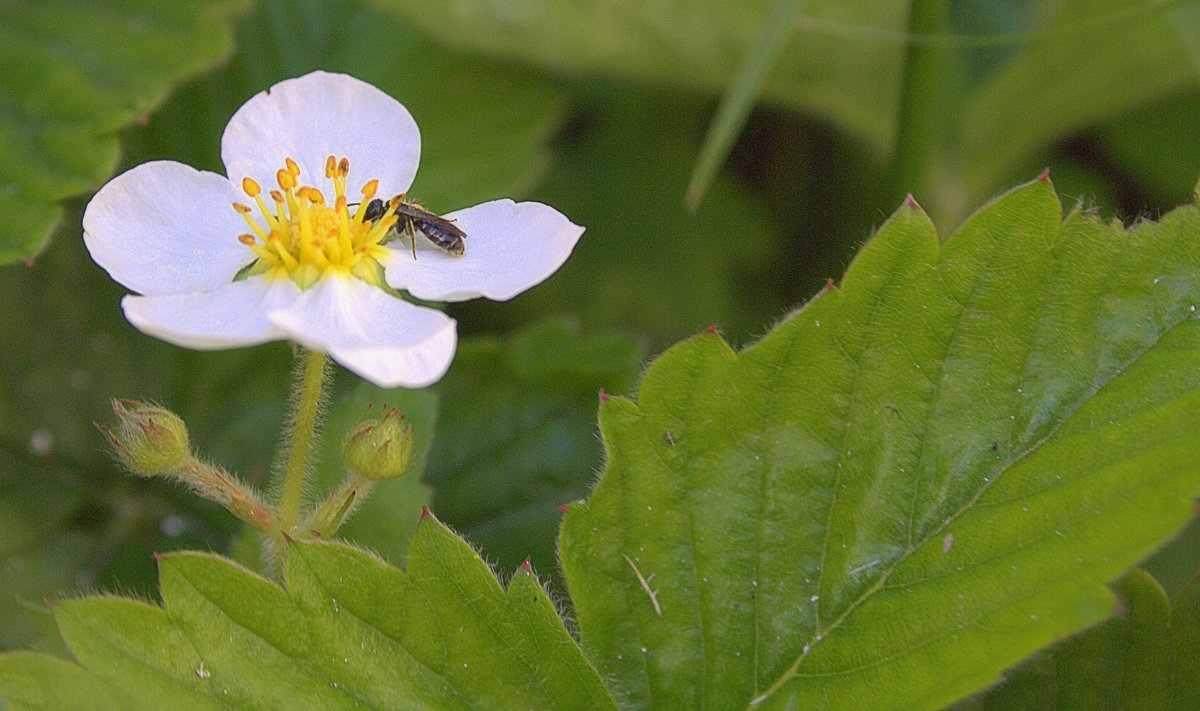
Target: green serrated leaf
(516, 435)
(348, 631)
(67, 83)
(913, 482)
(137, 648)
(1144, 658)
(38, 681)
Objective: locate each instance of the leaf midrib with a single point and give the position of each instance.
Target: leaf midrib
(398, 641)
(497, 634)
(793, 671)
(303, 663)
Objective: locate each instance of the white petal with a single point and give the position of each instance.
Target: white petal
(229, 317)
(166, 228)
(384, 339)
(318, 115)
(510, 247)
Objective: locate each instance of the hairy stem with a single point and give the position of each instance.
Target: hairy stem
(340, 505)
(307, 399)
(216, 484)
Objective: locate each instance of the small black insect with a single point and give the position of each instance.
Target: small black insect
(413, 218)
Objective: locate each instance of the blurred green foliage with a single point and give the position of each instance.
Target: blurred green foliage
(1146, 656)
(71, 74)
(597, 108)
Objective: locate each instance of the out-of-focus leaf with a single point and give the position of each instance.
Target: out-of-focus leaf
(31, 574)
(516, 435)
(739, 98)
(483, 127)
(1147, 657)
(1019, 76)
(844, 62)
(36, 496)
(1093, 61)
(349, 631)
(71, 74)
(913, 482)
(1186, 20)
(1177, 564)
(1159, 145)
(645, 264)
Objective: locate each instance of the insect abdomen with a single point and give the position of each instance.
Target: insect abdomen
(444, 239)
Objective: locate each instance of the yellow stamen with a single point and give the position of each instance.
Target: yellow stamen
(368, 192)
(272, 220)
(312, 195)
(345, 232)
(376, 234)
(304, 237)
(286, 180)
(285, 256)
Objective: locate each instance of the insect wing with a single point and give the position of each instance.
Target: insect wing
(439, 230)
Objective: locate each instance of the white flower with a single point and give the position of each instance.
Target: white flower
(221, 262)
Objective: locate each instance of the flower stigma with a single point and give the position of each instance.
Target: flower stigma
(304, 239)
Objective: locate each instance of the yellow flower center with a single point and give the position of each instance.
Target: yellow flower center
(303, 238)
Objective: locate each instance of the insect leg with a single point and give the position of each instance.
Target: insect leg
(410, 229)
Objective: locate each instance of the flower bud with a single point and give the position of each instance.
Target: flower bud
(379, 446)
(148, 439)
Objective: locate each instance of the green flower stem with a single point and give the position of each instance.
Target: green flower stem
(310, 390)
(918, 119)
(340, 504)
(218, 485)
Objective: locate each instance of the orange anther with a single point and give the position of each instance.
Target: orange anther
(244, 209)
(368, 190)
(344, 167)
(292, 167)
(287, 181)
(251, 187)
(330, 166)
(246, 240)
